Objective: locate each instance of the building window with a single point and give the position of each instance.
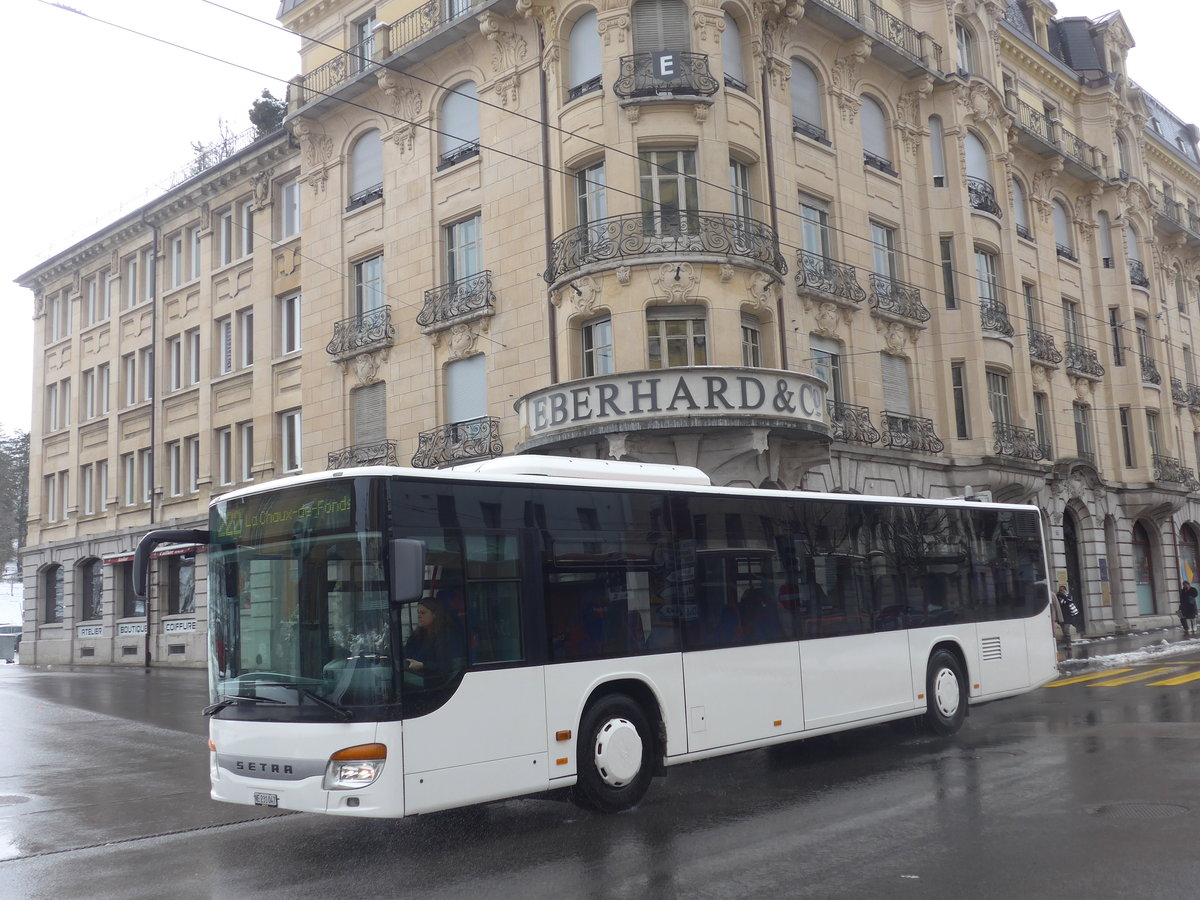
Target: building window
(739, 189)
(1083, 432)
(1032, 313)
(245, 436)
(193, 463)
(146, 469)
(947, 248)
(290, 441)
(87, 489)
(245, 338)
(1064, 237)
(1152, 433)
(669, 191)
(146, 365)
(958, 385)
(458, 139)
(50, 498)
(370, 414)
(131, 281)
(1117, 330)
(289, 213)
(598, 348)
(176, 251)
(225, 237)
(466, 389)
(807, 116)
(985, 276)
(52, 593)
(1021, 210)
(132, 606)
(175, 362)
(883, 241)
(129, 374)
(1041, 418)
(814, 227)
(1071, 321)
(224, 327)
(175, 468)
(877, 150)
(368, 285)
(897, 392)
(827, 365)
(289, 324)
(676, 337)
(966, 49)
(751, 342)
(91, 590)
(191, 340)
(731, 54)
(937, 151)
(246, 228)
(224, 445)
(194, 251)
(464, 249)
(366, 170)
(181, 585)
(1127, 445)
(583, 56)
(660, 25)
(128, 479)
(998, 398)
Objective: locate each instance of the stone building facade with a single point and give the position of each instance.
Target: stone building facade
(909, 248)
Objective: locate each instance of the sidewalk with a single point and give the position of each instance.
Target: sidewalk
(1097, 651)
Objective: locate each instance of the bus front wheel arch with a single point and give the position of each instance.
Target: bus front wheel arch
(945, 693)
(615, 753)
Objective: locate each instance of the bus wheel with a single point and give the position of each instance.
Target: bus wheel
(615, 754)
(945, 693)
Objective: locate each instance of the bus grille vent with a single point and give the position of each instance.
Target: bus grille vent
(991, 648)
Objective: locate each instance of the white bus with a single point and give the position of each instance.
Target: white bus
(388, 642)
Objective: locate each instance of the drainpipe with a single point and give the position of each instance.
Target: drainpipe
(551, 317)
(769, 146)
(154, 383)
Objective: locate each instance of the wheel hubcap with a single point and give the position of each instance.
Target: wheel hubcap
(946, 695)
(618, 752)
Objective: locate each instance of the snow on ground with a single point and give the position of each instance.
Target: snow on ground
(1152, 650)
(11, 602)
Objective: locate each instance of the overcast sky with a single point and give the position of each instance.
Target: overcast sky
(98, 118)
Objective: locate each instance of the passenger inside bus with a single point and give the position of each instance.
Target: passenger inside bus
(434, 651)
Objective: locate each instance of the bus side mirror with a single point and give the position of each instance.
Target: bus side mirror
(141, 556)
(408, 570)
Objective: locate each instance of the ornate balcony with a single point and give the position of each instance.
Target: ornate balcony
(381, 453)
(1042, 349)
(666, 75)
(851, 424)
(1023, 231)
(586, 87)
(467, 298)
(1065, 252)
(1167, 468)
(1137, 274)
(371, 330)
(363, 197)
(1013, 440)
(895, 299)
(458, 442)
(905, 38)
(1150, 371)
(1046, 136)
(1193, 392)
(816, 132)
(674, 233)
(1083, 360)
(993, 315)
(910, 433)
(829, 279)
(456, 155)
(875, 161)
(1179, 393)
(982, 196)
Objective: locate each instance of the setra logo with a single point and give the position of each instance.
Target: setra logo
(262, 768)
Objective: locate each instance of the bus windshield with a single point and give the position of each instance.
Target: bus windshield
(298, 596)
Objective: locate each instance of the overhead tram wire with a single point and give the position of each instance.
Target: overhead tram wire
(430, 128)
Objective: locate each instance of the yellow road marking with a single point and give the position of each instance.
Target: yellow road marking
(1178, 679)
(1079, 679)
(1129, 679)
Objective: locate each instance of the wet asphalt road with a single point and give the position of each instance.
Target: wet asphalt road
(1070, 791)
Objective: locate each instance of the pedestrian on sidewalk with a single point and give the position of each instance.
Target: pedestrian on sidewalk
(1069, 612)
(1187, 608)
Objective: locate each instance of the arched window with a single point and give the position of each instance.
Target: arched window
(979, 177)
(877, 149)
(660, 25)
(806, 102)
(731, 53)
(1063, 237)
(1143, 570)
(1189, 554)
(1137, 269)
(966, 49)
(937, 151)
(459, 125)
(1104, 226)
(1123, 158)
(1180, 290)
(583, 57)
(52, 593)
(90, 586)
(1021, 210)
(366, 170)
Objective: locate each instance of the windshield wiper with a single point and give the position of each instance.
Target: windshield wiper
(231, 699)
(342, 711)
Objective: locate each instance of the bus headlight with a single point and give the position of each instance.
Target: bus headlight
(354, 767)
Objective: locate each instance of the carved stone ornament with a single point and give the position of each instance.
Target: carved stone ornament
(827, 318)
(896, 337)
(508, 47)
(845, 77)
(623, 273)
(908, 113)
(617, 448)
(542, 13)
(583, 294)
(707, 26)
(1040, 379)
(763, 290)
(726, 273)
(700, 112)
(676, 281)
(1043, 185)
(633, 114)
(406, 106)
(1083, 390)
(610, 26)
(287, 261)
(260, 186)
(317, 149)
(507, 90)
(463, 337)
(1085, 219)
(365, 366)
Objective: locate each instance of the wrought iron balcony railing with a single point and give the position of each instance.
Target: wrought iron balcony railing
(458, 442)
(1042, 348)
(1150, 371)
(816, 132)
(665, 74)
(1023, 231)
(1193, 392)
(1033, 121)
(851, 424)
(365, 196)
(1066, 252)
(1083, 360)
(366, 331)
(1179, 393)
(982, 196)
(344, 66)
(1050, 131)
(457, 154)
(673, 232)
(1015, 441)
(993, 315)
(909, 433)
(1167, 468)
(904, 37)
(878, 162)
(1137, 274)
(380, 453)
(586, 87)
(823, 275)
(449, 302)
(845, 7)
(897, 298)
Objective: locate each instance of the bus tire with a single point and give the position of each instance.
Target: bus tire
(945, 693)
(615, 753)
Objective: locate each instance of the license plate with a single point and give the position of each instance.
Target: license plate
(266, 799)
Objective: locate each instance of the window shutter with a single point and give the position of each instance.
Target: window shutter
(466, 389)
(370, 414)
(895, 384)
(660, 25)
(731, 49)
(460, 118)
(583, 50)
(874, 126)
(806, 94)
(977, 161)
(366, 163)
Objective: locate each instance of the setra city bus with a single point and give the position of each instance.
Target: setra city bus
(388, 642)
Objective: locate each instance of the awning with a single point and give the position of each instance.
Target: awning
(162, 550)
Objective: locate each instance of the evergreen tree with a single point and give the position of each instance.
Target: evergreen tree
(266, 114)
(14, 492)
